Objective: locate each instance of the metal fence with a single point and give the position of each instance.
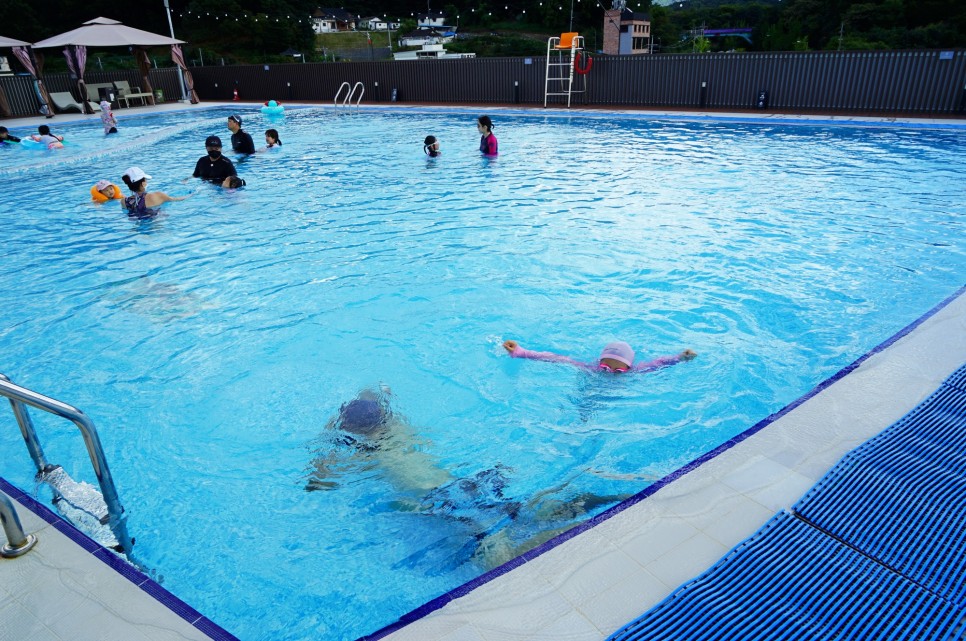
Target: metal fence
(909, 82)
(923, 81)
(21, 100)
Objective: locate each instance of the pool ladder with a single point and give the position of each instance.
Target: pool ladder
(81, 503)
(350, 94)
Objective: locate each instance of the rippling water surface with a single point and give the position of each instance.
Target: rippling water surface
(212, 345)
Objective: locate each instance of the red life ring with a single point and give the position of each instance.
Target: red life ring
(582, 70)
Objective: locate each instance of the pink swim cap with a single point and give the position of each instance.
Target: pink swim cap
(619, 351)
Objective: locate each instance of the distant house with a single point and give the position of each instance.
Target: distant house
(328, 20)
(376, 23)
(422, 37)
(431, 20)
(626, 32)
(430, 52)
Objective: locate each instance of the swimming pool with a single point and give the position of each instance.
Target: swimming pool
(212, 345)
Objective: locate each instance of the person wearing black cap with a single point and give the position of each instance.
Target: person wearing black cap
(214, 167)
(241, 142)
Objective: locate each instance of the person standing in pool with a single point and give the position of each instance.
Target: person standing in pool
(214, 167)
(241, 141)
(431, 147)
(488, 144)
(108, 118)
(143, 204)
(616, 357)
(6, 137)
(272, 139)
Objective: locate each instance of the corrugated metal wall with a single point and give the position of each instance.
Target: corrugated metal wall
(857, 81)
(911, 82)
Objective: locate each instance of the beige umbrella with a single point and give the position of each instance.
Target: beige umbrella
(12, 42)
(104, 32)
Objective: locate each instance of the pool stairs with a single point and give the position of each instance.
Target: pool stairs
(98, 514)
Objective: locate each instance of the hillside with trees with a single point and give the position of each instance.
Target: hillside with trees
(259, 30)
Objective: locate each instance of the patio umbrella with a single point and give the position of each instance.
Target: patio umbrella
(104, 32)
(12, 42)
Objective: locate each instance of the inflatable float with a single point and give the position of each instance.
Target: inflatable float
(272, 108)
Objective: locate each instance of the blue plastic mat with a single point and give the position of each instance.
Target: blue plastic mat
(791, 581)
(875, 550)
(901, 497)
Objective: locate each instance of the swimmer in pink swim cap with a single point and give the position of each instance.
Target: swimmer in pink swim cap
(617, 357)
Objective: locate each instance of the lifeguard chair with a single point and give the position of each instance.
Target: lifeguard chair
(565, 59)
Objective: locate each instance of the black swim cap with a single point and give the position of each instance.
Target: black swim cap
(361, 416)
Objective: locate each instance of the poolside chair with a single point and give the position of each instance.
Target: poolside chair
(125, 92)
(567, 40)
(792, 581)
(65, 102)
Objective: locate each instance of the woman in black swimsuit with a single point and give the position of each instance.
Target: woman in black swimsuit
(143, 204)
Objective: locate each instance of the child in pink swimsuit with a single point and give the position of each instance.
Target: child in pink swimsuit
(617, 357)
(108, 118)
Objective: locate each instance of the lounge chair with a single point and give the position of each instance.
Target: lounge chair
(792, 581)
(125, 92)
(65, 102)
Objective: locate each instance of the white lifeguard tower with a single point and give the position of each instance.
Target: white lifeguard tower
(566, 58)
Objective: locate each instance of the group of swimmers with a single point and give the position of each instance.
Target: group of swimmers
(488, 143)
(212, 167)
(43, 136)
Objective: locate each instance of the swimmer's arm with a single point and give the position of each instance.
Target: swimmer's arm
(665, 361)
(513, 348)
(164, 198)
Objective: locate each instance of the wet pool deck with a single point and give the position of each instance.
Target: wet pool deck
(587, 586)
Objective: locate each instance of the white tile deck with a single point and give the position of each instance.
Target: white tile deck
(583, 589)
(59, 592)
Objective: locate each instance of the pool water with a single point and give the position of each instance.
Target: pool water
(214, 345)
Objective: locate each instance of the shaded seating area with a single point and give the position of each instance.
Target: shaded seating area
(876, 549)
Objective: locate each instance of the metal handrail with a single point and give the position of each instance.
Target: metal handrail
(338, 93)
(20, 396)
(350, 93)
(18, 543)
(358, 85)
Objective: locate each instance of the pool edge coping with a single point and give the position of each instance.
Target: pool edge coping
(952, 123)
(119, 565)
